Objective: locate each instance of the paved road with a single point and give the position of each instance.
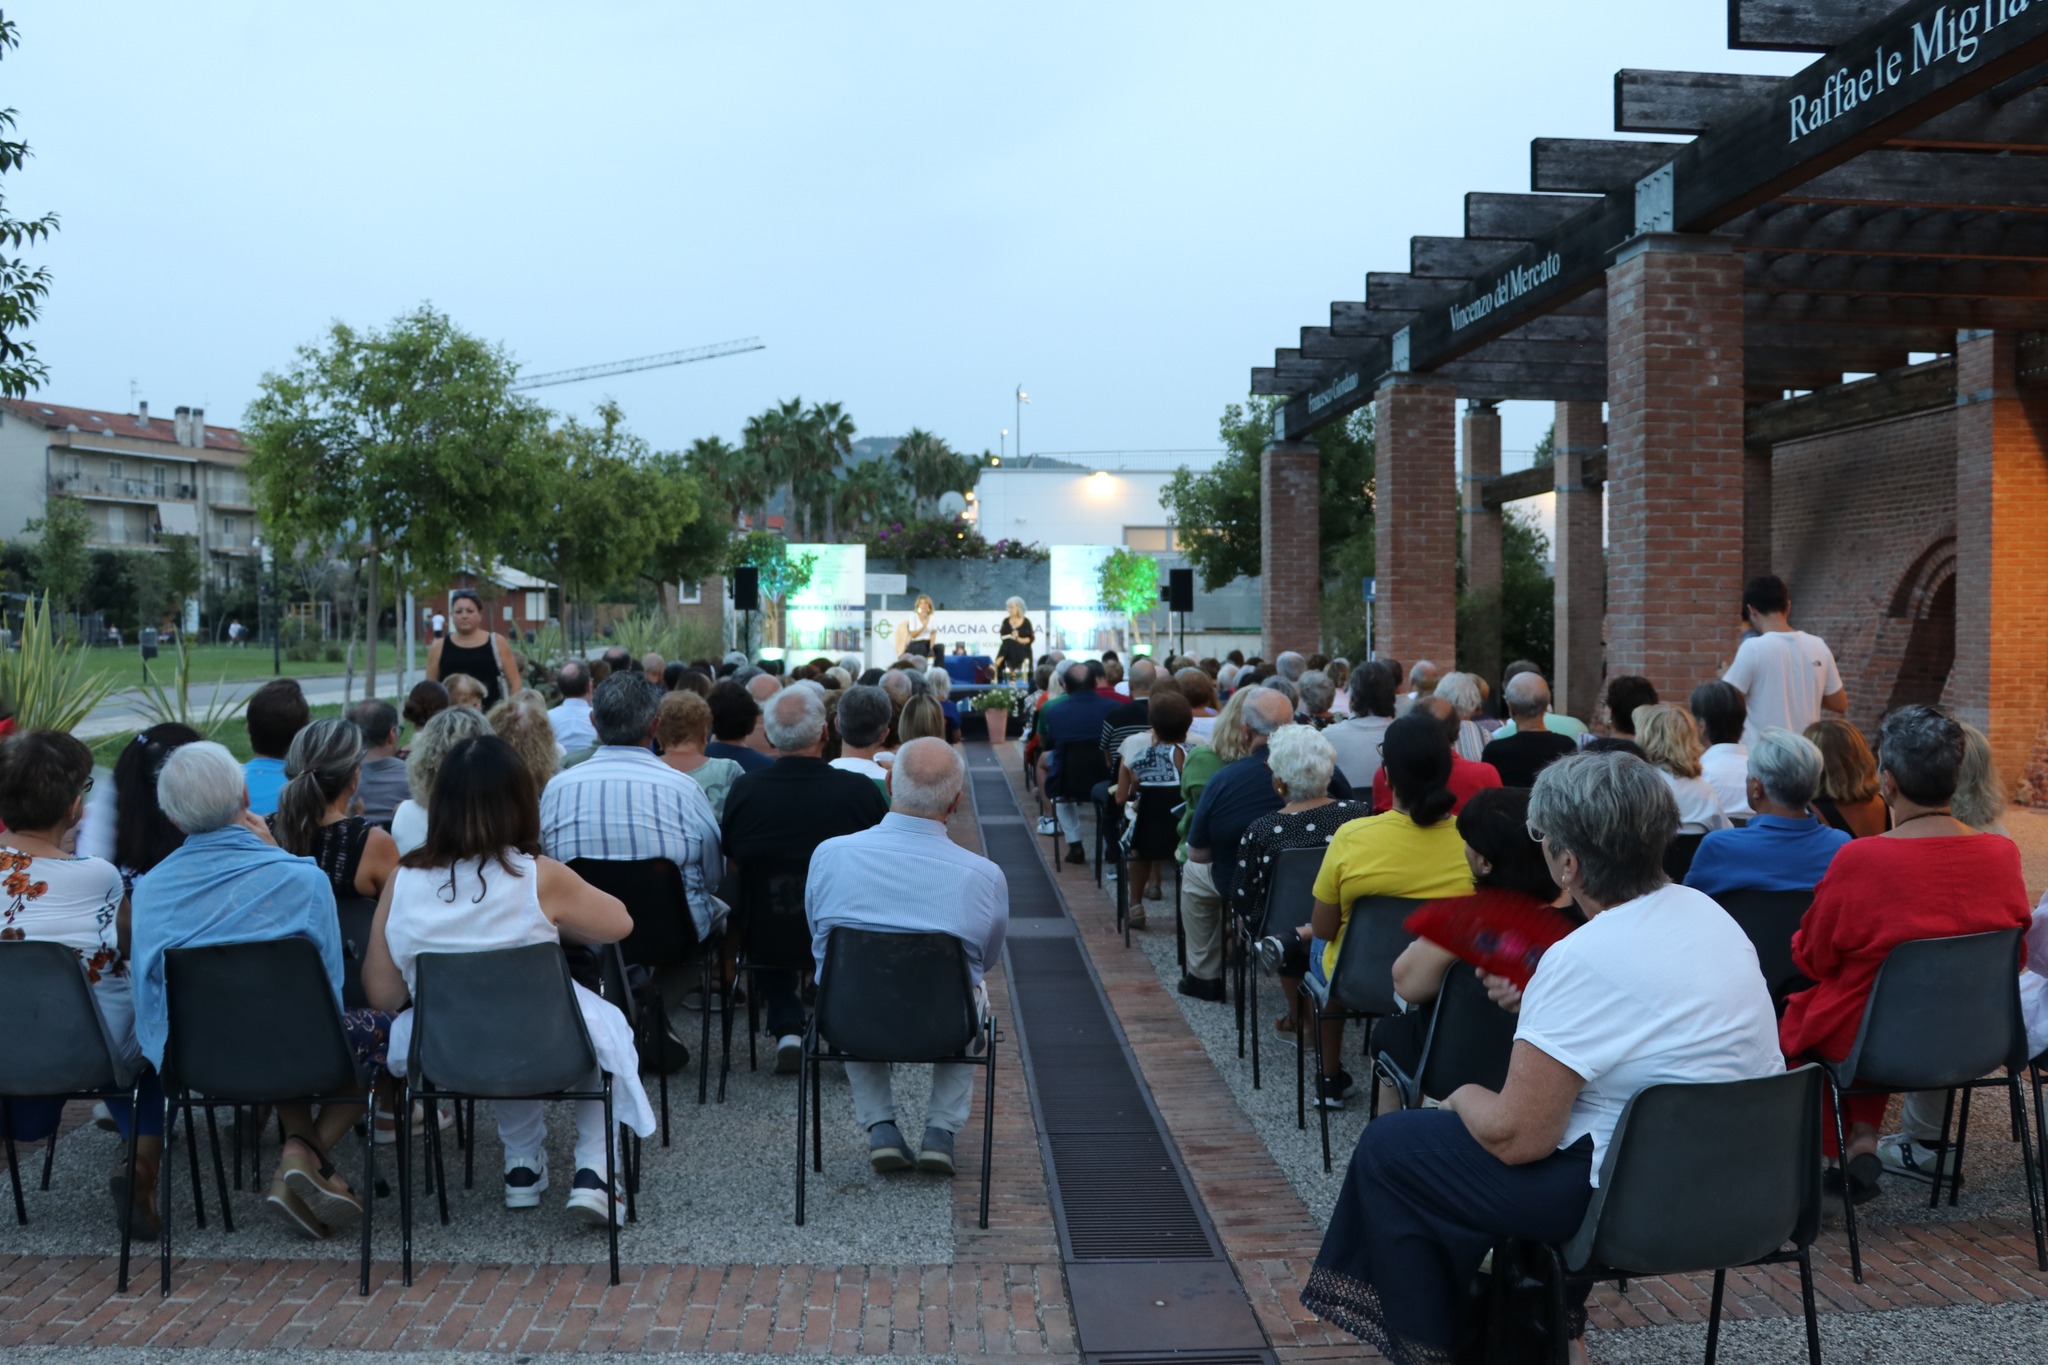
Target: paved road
(128, 711)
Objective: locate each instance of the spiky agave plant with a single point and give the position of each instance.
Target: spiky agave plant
(45, 679)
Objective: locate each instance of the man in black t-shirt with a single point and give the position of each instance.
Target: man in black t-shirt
(1531, 748)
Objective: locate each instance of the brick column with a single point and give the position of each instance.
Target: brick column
(1290, 548)
(1481, 442)
(1758, 522)
(1999, 684)
(1415, 527)
(1581, 577)
(1674, 459)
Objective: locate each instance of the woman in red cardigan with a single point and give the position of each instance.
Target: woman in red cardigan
(1931, 876)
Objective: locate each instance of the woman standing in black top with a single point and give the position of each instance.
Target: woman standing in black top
(469, 648)
(1013, 655)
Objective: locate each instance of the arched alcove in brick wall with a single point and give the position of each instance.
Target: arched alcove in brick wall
(1916, 641)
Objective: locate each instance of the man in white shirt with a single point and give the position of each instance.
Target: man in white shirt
(1786, 677)
(571, 719)
(1720, 713)
(864, 716)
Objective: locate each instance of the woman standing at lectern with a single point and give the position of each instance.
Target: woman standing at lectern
(1013, 655)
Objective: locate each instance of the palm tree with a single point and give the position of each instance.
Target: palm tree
(867, 494)
(831, 431)
(773, 436)
(927, 465)
(735, 473)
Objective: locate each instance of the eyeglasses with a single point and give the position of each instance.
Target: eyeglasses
(86, 788)
(1534, 833)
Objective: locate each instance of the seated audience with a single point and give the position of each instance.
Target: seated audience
(619, 659)
(1556, 722)
(864, 717)
(423, 765)
(230, 883)
(1152, 774)
(1356, 740)
(1670, 745)
(1467, 777)
(521, 720)
(1785, 846)
(571, 717)
(1429, 1191)
(672, 676)
(277, 711)
(464, 690)
(1527, 746)
(843, 893)
(697, 680)
(1891, 889)
(921, 719)
(1302, 763)
(1465, 692)
(1980, 792)
(682, 728)
(1079, 715)
(735, 721)
(942, 690)
(653, 666)
(1849, 796)
(53, 896)
(780, 815)
(426, 700)
(1422, 681)
(1720, 712)
(1204, 761)
(383, 781)
(1318, 695)
(1411, 850)
(323, 773)
(1131, 717)
(480, 883)
(1625, 695)
(143, 836)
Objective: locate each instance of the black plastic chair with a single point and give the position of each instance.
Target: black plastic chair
(616, 985)
(357, 916)
(1362, 987)
(1081, 766)
(1155, 837)
(1290, 901)
(775, 934)
(1469, 1042)
(664, 934)
(498, 1025)
(1706, 1177)
(1942, 1014)
(890, 997)
(257, 1023)
(58, 1049)
(1770, 918)
(1678, 855)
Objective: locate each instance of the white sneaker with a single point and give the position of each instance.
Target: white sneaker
(526, 1180)
(1046, 825)
(588, 1200)
(789, 1054)
(1902, 1155)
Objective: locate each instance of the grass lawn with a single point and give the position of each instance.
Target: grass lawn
(210, 663)
(233, 734)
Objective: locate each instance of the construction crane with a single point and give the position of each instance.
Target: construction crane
(645, 362)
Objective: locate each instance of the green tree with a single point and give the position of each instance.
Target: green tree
(1517, 621)
(870, 495)
(149, 583)
(696, 545)
(1129, 583)
(824, 439)
(407, 441)
(779, 572)
(63, 555)
(22, 287)
(930, 468)
(737, 473)
(772, 438)
(184, 571)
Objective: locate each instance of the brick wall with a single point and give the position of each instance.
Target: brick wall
(1579, 635)
(1415, 522)
(1674, 460)
(1291, 551)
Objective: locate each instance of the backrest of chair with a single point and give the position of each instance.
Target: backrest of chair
(255, 1022)
(1290, 892)
(1470, 1038)
(1706, 1176)
(1770, 918)
(1081, 767)
(655, 896)
(892, 997)
(614, 983)
(56, 1042)
(1678, 855)
(774, 928)
(501, 1024)
(1373, 938)
(357, 916)
(1942, 1011)
(1157, 833)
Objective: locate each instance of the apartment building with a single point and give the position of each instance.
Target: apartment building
(140, 477)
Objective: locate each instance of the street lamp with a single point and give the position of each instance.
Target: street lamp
(1003, 445)
(1022, 399)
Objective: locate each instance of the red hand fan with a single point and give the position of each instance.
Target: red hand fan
(1496, 930)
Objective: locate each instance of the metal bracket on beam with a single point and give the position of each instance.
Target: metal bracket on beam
(1654, 194)
(1400, 349)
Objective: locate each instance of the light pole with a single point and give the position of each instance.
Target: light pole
(269, 562)
(1022, 399)
(1003, 445)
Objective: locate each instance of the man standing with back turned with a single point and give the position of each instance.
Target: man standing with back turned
(1787, 678)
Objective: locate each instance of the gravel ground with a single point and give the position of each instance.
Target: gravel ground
(723, 1193)
(2008, 1334)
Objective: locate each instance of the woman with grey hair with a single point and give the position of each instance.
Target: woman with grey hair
(1980, 792)
(1013, 650)
(1929, 876)
(1428, 1192)
(942, 690)
(1318, 692)
(1784, 846)
(1465, 692)
(429, 748)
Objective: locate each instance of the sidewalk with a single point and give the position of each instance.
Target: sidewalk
(128, 710)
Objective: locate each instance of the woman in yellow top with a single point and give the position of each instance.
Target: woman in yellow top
(1413, 851)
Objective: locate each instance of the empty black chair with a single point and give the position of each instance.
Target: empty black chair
(498, 1025)
(1470, 1042)
(357, 915)
(664, 935)
(1081, 766)
(1362, 987)
(1707, 1177)
(1154, 836)
(1770, 918)
(58, 1048)
(889, 997)
(775, 934)
(1678, 855)
(1942, 1013)
(257, 1023)
(1290, 901)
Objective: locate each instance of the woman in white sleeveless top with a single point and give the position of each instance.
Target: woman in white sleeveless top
(478, 884)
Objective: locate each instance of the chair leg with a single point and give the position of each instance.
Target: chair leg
(1180, 930)
(1714, 1316)
(220, 1177)
(1848, 1203)
(2040, 1121)
(1322, 1109)
(611, 1177)
(128, 1213)
(1955, 1175)
(1250, 1006)
(404, 1158)
(753, 1030)
(1948, 1115)
(706, 952)
(1806, 1302)
(1300, 1063)
(235, 1122)
(988, 1124)
(725, 1029)
(49, 1159)
(163, 1193)
(803, 1099)
(192, 1161)
(1372, 1103)
(2019, 1113)
(439, 1174)
(370, 1182)
(13, 1162)
(817, 1079)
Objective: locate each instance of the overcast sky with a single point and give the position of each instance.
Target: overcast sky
(1122, 206)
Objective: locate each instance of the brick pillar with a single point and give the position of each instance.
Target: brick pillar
(1290, 549)
(1482, 542)
(1674, 459)
(1415, 511)
(1758, 524)
(1999, 683)
(1581, 580)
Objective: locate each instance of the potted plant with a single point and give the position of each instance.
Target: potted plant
(994, 707)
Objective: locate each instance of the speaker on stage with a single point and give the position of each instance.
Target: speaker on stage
(1180, 589)
(746, 588)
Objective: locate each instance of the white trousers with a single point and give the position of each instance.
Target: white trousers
(523, 1127)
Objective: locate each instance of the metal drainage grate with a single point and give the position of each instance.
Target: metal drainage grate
(1122, 1199)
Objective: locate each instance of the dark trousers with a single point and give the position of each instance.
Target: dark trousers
(1421, 1206)
(34, 1120)
(776, 989)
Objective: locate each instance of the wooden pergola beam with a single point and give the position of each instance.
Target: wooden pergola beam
(1948, 180)
(1460, 258)
(1502, 489)
(1525, 216)
(1861, 230)
(1801, 25)
(1682, 101)
(1585, 165)
(1884, 276)
(1902, 311)
(1896, 393)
